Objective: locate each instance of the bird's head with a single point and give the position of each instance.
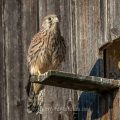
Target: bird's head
(50, 21)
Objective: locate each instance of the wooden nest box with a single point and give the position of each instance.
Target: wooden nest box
(111, 57)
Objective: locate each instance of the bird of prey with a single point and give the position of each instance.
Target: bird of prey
(46, 52)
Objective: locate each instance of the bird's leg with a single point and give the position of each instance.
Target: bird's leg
(33, 105)
(39, 94)
(37, 86)
(39, 73)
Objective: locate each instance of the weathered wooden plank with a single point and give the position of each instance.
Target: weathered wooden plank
(3, 105)
(18, 32)
(110, 14)
(114, 19)
(30, 26)
(78, 82)
(12, 32)
(89, 37)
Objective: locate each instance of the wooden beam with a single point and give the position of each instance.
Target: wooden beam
(76, 82)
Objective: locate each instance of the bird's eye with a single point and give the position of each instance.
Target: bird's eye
(49, 18)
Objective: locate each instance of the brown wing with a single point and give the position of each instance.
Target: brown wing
(38, 54)
(59, 52)
(37, 43)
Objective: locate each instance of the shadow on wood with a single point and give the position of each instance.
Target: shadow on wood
(103, 103)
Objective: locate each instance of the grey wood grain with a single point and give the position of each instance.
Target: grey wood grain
(3, 96)
(85, 25)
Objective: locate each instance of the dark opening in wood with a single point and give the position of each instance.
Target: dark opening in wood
(104, 60)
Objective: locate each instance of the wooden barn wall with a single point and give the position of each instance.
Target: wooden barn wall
(85, 25)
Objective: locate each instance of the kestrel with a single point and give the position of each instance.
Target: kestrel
(46, 52)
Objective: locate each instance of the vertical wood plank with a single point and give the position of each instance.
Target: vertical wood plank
(20, 25)
(30, 26)
(114, 19)
(12, 55)
(88, 32)
(3, 106)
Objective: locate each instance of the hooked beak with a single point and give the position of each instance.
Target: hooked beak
(56, 20)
